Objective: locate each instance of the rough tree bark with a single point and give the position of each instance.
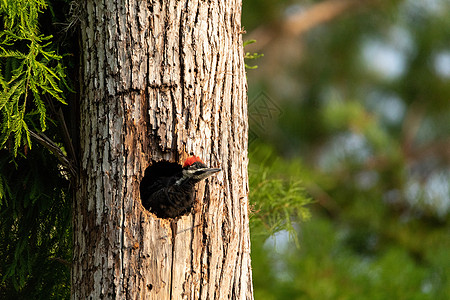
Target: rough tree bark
(161, 80)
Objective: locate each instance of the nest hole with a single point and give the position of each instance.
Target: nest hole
(156, 176)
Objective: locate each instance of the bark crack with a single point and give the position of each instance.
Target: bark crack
(124, 193)
(174, 228)
(192, 250)
(202, 257)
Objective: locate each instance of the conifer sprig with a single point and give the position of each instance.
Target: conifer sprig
(29, 68)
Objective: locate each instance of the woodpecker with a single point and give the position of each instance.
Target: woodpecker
(167, 189)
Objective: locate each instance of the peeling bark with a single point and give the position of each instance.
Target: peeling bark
(161, 80)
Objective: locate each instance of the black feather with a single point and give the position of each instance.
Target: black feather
(164, 190)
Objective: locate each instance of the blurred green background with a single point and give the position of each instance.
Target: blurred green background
(350, 104)
(349, 146)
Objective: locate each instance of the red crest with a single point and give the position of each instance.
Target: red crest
(192, 159)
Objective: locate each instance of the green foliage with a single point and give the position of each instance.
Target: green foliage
(278, 204)
(29, 70)
(327, 268)
(365, 116)
(35, 216)
(35, 207)
(248, 55)
(277, 199)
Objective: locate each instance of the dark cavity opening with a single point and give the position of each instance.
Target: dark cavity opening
(156, 195)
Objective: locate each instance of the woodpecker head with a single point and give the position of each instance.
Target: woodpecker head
(194, 169)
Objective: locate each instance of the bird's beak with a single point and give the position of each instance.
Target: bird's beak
(205, 172)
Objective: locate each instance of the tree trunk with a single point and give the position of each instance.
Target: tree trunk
(161, 80)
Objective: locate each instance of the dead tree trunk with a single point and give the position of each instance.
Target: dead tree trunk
(161, 80)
